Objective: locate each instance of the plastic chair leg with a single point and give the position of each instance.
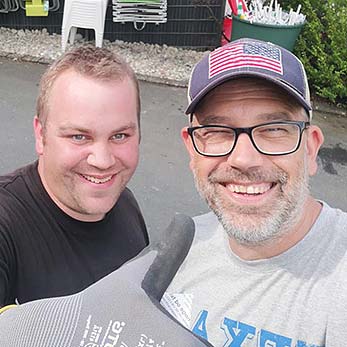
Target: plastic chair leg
(72, 36)
(64, 37)
(98, 39)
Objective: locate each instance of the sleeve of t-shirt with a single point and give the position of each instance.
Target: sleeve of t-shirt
(6, 264)
(128, 194)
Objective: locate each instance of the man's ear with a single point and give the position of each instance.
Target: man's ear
(315, 139)
(187, 141)
(39, 137)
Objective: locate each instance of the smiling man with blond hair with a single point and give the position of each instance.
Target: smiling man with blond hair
(67, 220)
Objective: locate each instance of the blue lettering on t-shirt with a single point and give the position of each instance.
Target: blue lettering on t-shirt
(236, 332)
(199, 327)
(304, 344)
(267, 338)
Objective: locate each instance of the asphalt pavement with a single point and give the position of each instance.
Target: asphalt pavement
(163, 183)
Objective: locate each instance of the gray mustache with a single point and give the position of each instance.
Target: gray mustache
(251, 175)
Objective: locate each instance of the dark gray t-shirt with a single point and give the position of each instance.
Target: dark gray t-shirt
(44, 252)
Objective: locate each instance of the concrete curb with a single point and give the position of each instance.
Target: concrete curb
(327, 108)
(141, 77)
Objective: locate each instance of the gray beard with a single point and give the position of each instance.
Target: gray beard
(244, 224)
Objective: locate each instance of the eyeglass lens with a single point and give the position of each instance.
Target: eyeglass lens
(269, 139)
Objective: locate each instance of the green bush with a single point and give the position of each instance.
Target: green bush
(322, 46)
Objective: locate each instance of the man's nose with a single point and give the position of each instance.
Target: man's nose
(101, 156)
(244, 155)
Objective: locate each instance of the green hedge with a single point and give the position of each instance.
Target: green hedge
(322, 46)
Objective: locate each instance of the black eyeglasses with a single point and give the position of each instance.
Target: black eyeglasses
(274, 138)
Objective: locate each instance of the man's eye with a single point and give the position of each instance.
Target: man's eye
(119, 137)
(275, 130)
(213, 134)
(78, 137)
(278, 128)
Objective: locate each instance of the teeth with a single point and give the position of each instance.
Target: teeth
(243, 189)
(252, 190)
(97, 180)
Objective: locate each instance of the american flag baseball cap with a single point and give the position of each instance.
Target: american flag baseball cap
(249, 58)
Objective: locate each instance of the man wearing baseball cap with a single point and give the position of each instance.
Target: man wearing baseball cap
(268, 267)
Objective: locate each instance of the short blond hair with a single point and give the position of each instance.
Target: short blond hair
(89, 61)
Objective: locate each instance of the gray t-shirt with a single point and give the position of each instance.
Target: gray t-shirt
(296, 299)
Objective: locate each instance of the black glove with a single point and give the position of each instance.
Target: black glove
(121, 310)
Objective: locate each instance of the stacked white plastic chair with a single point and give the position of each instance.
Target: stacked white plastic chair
(140, 12)
(87, 14)
(9, 6)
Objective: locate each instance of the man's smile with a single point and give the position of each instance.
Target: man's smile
(98, 180)
(251, 189)
(251, 193)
